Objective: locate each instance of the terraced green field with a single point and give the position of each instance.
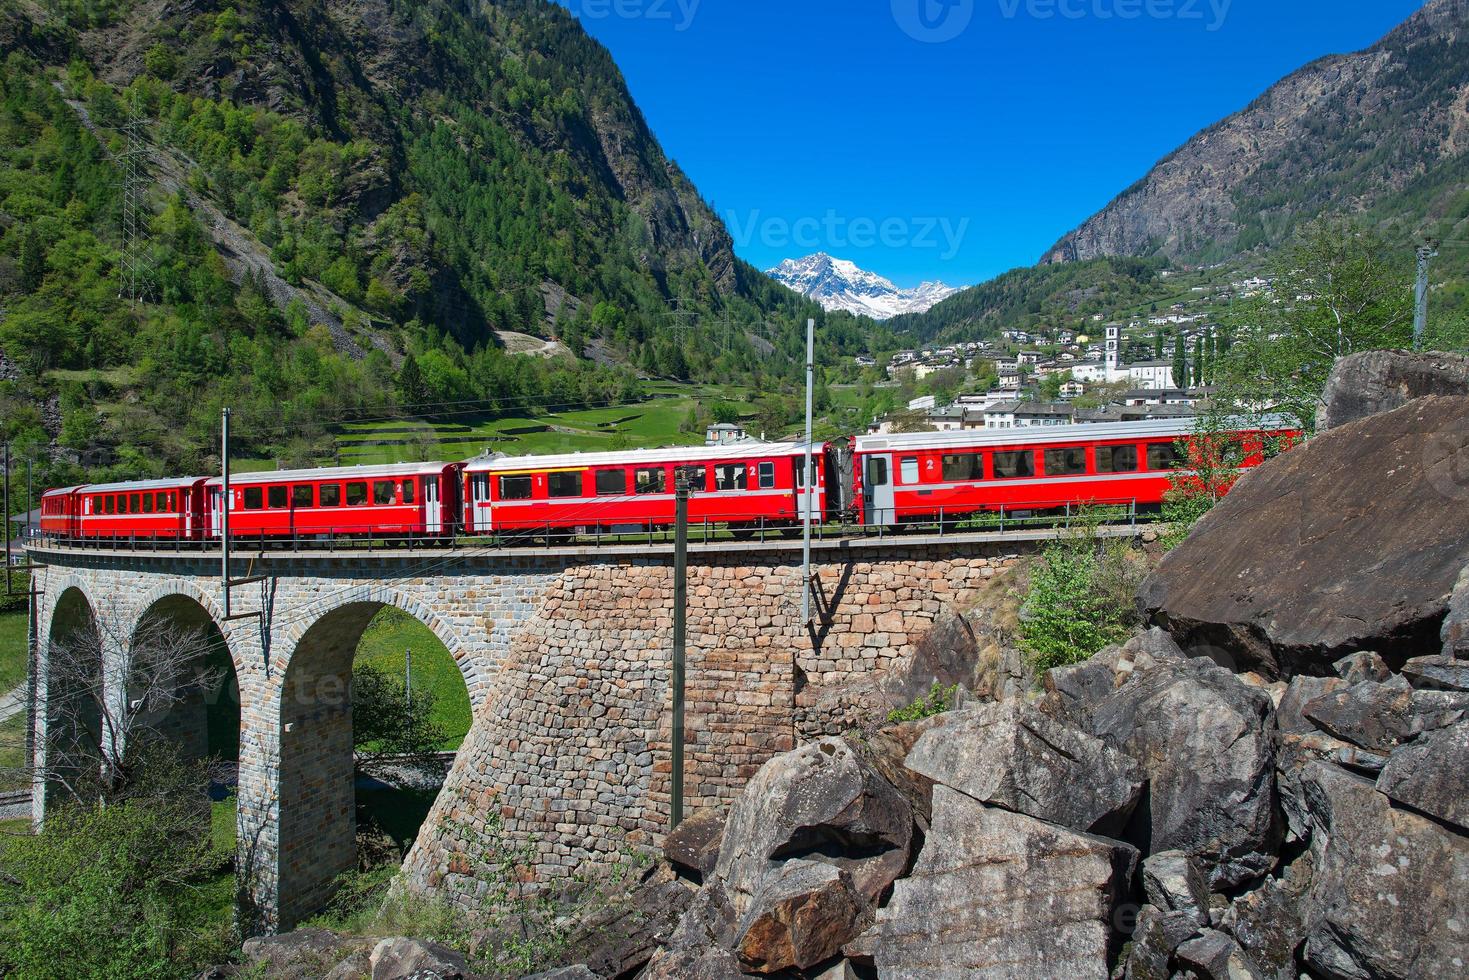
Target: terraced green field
(651, 423)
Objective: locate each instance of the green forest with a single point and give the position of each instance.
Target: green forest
(333, 227)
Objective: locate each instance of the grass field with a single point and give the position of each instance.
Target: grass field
(12, 650)
(383, 646)
(12, 754)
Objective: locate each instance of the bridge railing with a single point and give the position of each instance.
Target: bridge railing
(1003, 519)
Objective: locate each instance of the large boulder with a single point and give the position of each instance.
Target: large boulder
(701, 947)
(619, 935)
(1009, 754)
(1354, 540)
(802, 916)
(304, 954)
(1455, 630)
(1437, 673)
(1155, 935)
(1388, 897)
(1268, 921)
(1173, 883)
(1432, 775)
(886, 750)
(1379, 381)
(999, 894)
(694, 844)
(401, 958)
(821, 802)
(1380, 717)
(1071, 692)
(1215, 956)
(1206, 742)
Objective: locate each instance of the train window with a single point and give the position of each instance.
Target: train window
(767, 476)
(147, 503)
(302, 496)
(331, 494)
(1163, 456)
(963, 466)
(611, 483)
(480, 485)
(696, 475)
(801, 471)
(356, 494)
(111, 503)
(1116, 459)
(162, 501)
(1016, 464)
(908, 469)
(277, 496)
(384, 492)
(137, 507)
(729, 476)
(652, 480)
(564, 484)
(877, 471)
(515, 488)
(1066, 462)
(254, 498)
(408, 492)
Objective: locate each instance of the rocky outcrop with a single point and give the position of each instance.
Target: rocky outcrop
(1205, 741)
(803, 914)
(1001, 894)
(1388, 897)
(694, 844)
(823, 802)
(1379, 381)
(1010, 755)
(1431, 776)
(399, 959)
(1286, 576)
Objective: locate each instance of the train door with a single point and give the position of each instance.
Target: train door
(877, 490)
(808, 503)
(479, 502)
(433, 513)
(216, 513)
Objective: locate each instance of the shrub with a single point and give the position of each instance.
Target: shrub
(126, 888)
(938, 700)
(1081, 599)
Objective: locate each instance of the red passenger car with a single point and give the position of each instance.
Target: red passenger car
(405, 500)
(930, 476)
(59, 512)
(745, 486)
(168, 510)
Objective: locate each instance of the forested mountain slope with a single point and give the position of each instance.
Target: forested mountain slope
(330, 191)
(1381, 134)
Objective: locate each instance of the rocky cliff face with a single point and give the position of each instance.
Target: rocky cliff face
(1346, 133)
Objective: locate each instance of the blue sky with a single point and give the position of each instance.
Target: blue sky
(954, 145)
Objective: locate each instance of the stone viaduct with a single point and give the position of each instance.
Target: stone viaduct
(566, 654)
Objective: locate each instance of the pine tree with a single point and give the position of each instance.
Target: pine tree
(1199, 363)
(1180, 360)
(32, 261)
(1158, 345)
(410, 381)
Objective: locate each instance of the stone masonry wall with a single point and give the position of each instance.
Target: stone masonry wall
(569, 756)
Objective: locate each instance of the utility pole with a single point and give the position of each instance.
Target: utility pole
(810, 495)
(6, 505)
(1426, 251)
(680, 603)
(224, 509)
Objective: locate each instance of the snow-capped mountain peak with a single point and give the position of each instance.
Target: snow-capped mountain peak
(841, 285)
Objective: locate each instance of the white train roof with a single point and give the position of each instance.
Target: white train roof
(739, 451)
(367, 472)
(1046, 434)
(175, 483)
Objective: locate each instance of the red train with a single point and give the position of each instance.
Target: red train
(878, 480)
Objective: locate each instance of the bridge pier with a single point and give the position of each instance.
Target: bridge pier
(566, 656)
